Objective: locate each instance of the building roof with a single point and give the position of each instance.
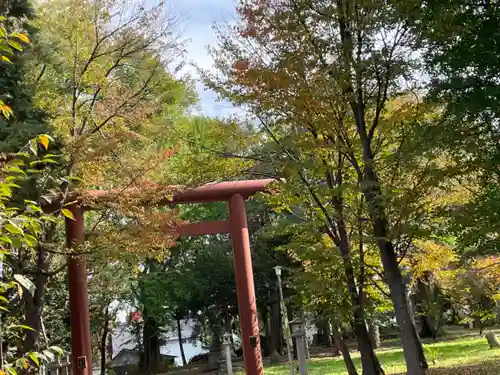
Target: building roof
(128, 357)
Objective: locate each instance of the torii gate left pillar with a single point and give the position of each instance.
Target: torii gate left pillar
(235, 194)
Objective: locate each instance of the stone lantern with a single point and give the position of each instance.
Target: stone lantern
(299, 332)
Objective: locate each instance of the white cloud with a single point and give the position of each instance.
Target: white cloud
(197, 18)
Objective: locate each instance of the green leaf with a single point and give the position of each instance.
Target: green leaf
(16, 242)
(34, 208)
(12, 228)
(49, 218)
(57, 350)
(5, 239)
(34, 358)
(16, 45)
(11, 371)
(33, 148)
(30, 240)
(25, 283)
(16, 170)
(21, 326)
(49, 355)
(67, 213)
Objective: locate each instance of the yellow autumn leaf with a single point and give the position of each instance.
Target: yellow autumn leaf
(23, 37)
(5, 110)
(67, 213)
(44, 140)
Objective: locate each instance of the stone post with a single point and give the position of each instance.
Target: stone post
(226, 344)
(299, 332)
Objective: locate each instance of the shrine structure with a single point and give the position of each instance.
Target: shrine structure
(234, 193)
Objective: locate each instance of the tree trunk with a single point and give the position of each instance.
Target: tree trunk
(331, 340)
(416, 363)
(104, 341)
(109, 346)
(289, 313)
(323, 335)
(341, 345)
(276, 337)
(369, 360)
(179, 337)
(423, 294)
(412, 347)
(374, 333)
(267, 326)
(151, 342)
(492, 340)
(264, 339)
(34, 303)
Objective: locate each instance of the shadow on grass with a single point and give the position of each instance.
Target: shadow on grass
(486, 368)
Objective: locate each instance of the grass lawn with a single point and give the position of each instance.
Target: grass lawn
(473, 356)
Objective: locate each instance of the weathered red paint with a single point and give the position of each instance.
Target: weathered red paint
(78, 294)
(148, 195)
(221, 191)
(247, 305)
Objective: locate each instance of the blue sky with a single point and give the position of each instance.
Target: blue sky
(197, 18)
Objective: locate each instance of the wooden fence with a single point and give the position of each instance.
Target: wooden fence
(62, 366)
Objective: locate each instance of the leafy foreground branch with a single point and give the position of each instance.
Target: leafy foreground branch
(20, 227)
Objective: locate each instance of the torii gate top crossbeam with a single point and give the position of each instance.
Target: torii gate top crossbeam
(213, 192)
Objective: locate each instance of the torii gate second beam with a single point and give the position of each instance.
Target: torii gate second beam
(235, 194)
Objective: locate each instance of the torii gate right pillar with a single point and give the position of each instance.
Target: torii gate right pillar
(245, 288)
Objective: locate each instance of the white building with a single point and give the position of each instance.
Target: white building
(122, 339)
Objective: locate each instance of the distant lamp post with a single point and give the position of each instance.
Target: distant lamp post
(288, 338)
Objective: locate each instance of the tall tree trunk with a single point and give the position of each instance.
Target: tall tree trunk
(369, 360)
(276, 339)
(374, 333)
(331, 341)
(104, 341)
(179, 337)
(289, 313)
(34, 302)
(264, 342)
(151, 343)
(341, 345)
(109, 346)
(323, 336)
(423, 296)
(353, 88)
(416, 363)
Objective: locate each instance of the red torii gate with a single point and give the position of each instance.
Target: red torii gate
(235, 193)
